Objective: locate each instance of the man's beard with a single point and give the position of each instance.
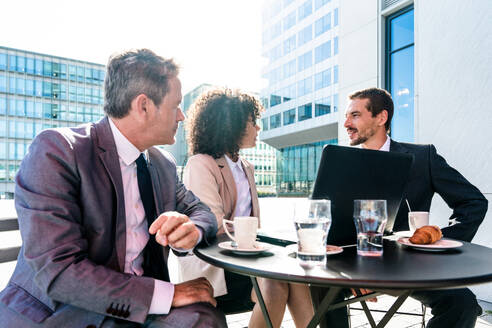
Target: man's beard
(362, 138)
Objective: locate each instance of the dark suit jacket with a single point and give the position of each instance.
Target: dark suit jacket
(431, 174)
(70, 204)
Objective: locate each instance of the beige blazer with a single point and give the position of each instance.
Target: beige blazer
(211, 180)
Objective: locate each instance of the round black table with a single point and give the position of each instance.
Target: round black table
(399, 271)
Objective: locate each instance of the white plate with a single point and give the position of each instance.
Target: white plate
(440, 245)
(259, 247)
(405, 233)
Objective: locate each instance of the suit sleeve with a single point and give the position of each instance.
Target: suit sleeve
(197, 210)
(468, 203)
(199, 178)
(55, 246)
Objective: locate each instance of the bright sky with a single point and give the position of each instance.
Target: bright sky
(214, 41)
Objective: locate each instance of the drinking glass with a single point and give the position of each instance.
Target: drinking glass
(370, 218)
(312, 220)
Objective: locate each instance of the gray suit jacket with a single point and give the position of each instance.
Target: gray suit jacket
(70, 203)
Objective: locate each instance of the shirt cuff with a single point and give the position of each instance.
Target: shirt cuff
(181, 250)
(162, 298)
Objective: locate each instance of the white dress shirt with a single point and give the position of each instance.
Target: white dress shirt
(137, 233)
(386, 145)
(243, 203)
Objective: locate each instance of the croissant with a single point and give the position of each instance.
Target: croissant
(426, 235)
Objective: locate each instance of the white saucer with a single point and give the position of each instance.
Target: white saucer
(440, 245)
(259, 247)
(333, 249)
(405, 233)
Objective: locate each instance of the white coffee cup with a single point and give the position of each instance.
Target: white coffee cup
(417, 220)
(245, 228)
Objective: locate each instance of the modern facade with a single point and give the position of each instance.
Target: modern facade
(263, 156)
(434, 58)
(37, 92)
(300, 40)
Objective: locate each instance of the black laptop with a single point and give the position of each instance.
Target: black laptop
(347, 173)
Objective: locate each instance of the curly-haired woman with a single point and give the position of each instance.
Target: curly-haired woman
(220, 124)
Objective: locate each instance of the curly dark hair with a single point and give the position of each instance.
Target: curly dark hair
(217, 122)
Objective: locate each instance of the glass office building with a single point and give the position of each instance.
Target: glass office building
(37, 92)
(300, 41)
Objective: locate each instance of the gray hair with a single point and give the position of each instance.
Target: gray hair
(132, 73)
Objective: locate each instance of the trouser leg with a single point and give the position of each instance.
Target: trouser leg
(450, 308)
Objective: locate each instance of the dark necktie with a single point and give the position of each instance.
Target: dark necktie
(153, 264)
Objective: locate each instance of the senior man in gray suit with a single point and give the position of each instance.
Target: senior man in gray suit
(98, 208)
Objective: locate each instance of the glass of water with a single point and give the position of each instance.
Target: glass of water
(370, 218)
(312, 220)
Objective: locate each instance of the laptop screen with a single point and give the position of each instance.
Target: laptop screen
(347, 173)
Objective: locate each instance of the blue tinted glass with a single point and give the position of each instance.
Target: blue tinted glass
(3, 83)
(305, 9)
(38, 67)
(21, 64)
(3, 105)
(402, 91)
(335, 74)
(305, 35)
(30, 65)
(335, 46)
(3, 61)
(322, 25)
(12, 63)
(47, 68)
(402, 30)
(335, 17)
(289, 116)
(289, 20)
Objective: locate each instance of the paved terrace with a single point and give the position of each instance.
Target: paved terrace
(10, 239)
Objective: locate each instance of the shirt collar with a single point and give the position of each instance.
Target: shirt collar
(126, 150)
(234, 164)
(386, 145)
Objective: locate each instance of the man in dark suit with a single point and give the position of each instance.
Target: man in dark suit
(99, 207)
(368, 119)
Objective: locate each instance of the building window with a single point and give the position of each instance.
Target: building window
(3, 83)
(12, 63)
(322, 79)
(289, 44)
(322, 25)
(3, 62)
(275, 121)
(289, 68)
(305, 35)
(335, 74)
(322, 52)
(335, 17)
(320, 3)
(288, 93)
(305, 9)
(264, 124)
(305, 61)
(304, 112)
(335, 46)
(275, 53)
(275, 100)
(289, 20)
(289, 116)
(335, 102)
(275, 31)
(304, 86)
(400, 72)
(322, 107)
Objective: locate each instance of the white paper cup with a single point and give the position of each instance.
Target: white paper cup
(417, 220)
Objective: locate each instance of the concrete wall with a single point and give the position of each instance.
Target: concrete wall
(453, 77)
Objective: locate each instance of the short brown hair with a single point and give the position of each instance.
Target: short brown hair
(379, 100)
(217, 122)
(135, 72)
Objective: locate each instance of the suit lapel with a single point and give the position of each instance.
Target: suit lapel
(229, 182)
(397, 147)
(109, 158)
